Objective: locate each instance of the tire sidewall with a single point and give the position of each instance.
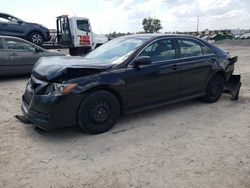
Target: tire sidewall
(220, 81)
(84, 120)
(36, 33)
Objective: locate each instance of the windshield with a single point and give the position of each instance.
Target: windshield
(116, 51)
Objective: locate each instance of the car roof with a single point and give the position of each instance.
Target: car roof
(10, 37)
(157, 35)
(153, 36)
(2, 13)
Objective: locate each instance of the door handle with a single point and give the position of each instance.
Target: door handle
(13, 54)
(176, 67)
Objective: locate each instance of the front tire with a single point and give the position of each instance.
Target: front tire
(214, 89)
(36, 38)
(99, 112)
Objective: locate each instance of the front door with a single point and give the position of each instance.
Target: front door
(157, 82)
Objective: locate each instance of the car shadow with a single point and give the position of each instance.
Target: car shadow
(124, 123)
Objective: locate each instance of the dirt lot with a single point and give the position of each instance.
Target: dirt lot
(190, 144)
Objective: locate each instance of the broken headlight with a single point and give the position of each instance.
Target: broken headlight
(60, 89)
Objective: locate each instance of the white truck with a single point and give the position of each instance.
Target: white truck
(76, 34)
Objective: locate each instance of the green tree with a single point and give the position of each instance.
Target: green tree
(151, 25)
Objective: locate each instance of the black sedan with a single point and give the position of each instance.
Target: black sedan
(127, 74)
(18, 56)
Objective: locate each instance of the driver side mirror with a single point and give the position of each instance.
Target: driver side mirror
(142, 60)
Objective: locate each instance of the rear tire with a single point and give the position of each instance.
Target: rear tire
(214, 89)
(36, 38)
(99, 112)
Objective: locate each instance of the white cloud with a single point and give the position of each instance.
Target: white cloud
(126, 15)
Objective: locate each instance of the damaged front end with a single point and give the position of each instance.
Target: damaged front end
(233, 84)
(53, 93)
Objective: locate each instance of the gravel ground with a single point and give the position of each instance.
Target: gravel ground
(189, 144)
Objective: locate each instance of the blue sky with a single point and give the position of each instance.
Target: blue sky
(126, 15)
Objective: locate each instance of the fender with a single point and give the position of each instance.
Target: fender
(218, 71)
(115, 85)
(32, 31)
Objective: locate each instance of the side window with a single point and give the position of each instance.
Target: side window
(19, 46)
(4, 20)
(206, 51)
(189, 48)
(160, 50)
(7, 19)
(83, 25)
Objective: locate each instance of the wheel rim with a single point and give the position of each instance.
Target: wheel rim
(37, 38)
(100, 112)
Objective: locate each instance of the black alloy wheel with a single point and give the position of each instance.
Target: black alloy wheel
(99, 112)
(36, 38)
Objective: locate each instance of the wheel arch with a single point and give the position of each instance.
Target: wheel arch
(34, 31)
(222, 73)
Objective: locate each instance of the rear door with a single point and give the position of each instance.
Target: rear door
(196, 64)
(159, 81)
(4, 60)
(23, 56)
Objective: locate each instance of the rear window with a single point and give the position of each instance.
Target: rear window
(206, 51)
(189, 48)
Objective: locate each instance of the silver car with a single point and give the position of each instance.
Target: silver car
(18, 56)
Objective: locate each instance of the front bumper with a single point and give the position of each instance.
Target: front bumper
(50, 112)
(48, 121)
(34, 117)
(47, 36)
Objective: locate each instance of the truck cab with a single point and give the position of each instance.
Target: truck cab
(76, 33)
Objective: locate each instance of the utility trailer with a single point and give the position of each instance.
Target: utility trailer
(74, 33)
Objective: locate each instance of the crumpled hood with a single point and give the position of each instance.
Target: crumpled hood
(49, 68)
